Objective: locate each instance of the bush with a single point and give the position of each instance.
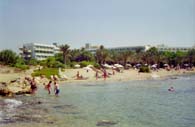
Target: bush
(144, 69)
(8, 57)
(46, 71)
(32, 62)
(51, 63)
(96, 65)
(58, 64)
(85, 63)
(21, 66)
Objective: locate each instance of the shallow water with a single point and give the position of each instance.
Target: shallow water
(145, 103)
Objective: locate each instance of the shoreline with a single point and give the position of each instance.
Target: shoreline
(17, 83)
(126, 75)
(161, 74)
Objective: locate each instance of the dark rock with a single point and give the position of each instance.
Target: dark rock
(39, 102)
(63, 106)
(5, 92)
(106, 123)
(3, 83)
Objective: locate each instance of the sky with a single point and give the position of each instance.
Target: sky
(110, 23)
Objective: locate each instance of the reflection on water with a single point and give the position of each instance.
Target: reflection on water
(121, 104)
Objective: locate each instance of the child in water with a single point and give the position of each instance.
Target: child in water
(56, 88)
(48, 87)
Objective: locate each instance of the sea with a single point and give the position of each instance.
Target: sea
(140, 103)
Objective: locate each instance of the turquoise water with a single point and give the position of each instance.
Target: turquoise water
(145, 103)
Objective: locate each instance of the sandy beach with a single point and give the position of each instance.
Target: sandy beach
(125, 75)
(7, 74)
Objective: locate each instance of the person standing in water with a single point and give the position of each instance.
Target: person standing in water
(56, 88)
(48, 87)
(33, 86)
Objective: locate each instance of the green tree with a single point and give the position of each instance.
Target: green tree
(125, 56)
(32, 62)
(169, 57)
(113, 57)
(191, 56)
(152, 56)
(101, 55)
(180, 57)
(59, 57)
(65, 51)
(8, 57)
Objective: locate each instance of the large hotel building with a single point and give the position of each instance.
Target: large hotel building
(38, 51)
(93, 49)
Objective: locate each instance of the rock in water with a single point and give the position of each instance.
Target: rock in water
(12, 103)
(106, 123)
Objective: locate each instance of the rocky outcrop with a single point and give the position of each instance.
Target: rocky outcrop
(106, 123)
(20, 86)
(13, 88)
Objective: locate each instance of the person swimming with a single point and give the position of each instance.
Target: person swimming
(171, 89)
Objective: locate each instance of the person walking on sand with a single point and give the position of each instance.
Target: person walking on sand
(104, 74)
(56, 88)
(77, 75)
(96, 75)
(48, 87)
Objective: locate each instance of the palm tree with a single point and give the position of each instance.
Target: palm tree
(101, 55)
(152, 55)
(125, 56)
(65, 51)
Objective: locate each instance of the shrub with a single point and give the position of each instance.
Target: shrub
(46, 71)
(32, 62)
(85, 63)
(21, 66)
(96, 65)
(8, 57)
(58, 64)
(144, 69)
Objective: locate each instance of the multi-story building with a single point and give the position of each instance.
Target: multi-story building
(173, 49)
(38, 51)
(130, 48)
(93, 49)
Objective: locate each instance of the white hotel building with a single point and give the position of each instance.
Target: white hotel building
(173, 49)
(38, 51)
(93, 49)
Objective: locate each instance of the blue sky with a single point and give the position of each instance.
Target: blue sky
(108, 22)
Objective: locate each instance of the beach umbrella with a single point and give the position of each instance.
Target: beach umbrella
(154, 66)
(107, 66)
(77, 66)
(118, 65)
(128, 65)
(165, 65)
(138, 65)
